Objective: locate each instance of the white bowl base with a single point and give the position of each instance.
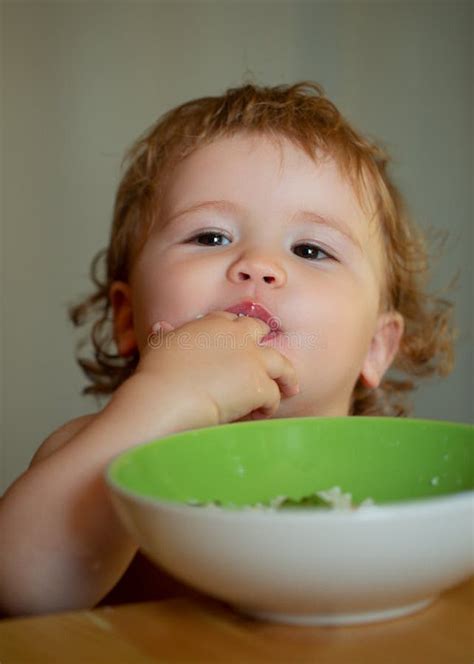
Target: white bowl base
(335, 619)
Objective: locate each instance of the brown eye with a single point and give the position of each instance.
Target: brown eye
(309, 251)
(209, 239)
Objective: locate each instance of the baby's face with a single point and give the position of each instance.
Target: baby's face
(246, 220)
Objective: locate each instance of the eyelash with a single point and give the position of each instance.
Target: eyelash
(302, 244)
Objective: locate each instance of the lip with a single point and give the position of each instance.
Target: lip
(256, 310)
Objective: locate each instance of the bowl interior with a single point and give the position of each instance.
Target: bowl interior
(383, 458)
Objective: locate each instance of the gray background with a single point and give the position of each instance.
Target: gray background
(80, 81)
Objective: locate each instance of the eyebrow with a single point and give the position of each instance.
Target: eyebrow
(301, 215)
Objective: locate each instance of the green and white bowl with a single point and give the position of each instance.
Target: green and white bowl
(306, 565)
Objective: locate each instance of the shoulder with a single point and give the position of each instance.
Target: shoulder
(61, 436)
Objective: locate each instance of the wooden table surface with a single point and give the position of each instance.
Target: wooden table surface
(199, 629)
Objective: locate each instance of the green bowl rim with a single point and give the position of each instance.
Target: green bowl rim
(374, 511)
(272, 421)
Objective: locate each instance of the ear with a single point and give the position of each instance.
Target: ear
(383, 348)
(120, 295)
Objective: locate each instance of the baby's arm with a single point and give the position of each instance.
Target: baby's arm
(63, 547)
(60, 437)
(62, 544)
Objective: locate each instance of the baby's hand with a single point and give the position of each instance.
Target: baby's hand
(216, 363)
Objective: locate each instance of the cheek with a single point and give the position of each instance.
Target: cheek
(334, 301)
(172, 291)
(338, 317)
(349, 327)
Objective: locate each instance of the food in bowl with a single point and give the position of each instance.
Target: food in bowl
(333, 498)
(306, 566)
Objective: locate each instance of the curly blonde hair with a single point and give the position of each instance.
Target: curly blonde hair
(304, 115)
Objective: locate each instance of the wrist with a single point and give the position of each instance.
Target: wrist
(152, 410)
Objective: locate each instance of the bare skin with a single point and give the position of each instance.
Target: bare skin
(53, 557)
(292, 236)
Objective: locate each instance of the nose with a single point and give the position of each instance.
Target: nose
(259, 269)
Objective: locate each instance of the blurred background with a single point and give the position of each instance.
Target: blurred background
(81, 80)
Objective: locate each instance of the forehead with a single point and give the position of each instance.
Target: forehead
(271, 178)
(266, 165)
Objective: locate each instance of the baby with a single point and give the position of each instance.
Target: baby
(261, 264)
